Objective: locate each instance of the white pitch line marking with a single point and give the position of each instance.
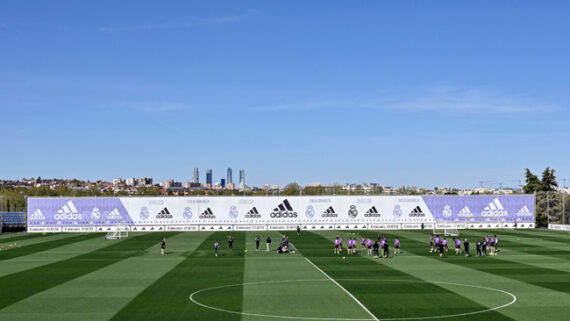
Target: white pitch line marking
(514, 299)
(345, 290)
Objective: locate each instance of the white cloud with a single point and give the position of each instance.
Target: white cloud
(154, 107)
(191, 24)
(473, 100)
(436, 98)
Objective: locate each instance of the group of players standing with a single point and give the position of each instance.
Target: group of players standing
(368, 246)
(437, 244)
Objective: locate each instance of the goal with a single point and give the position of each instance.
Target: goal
(446, 228)
(119, 231)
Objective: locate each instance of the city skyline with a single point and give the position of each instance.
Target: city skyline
(409, 94)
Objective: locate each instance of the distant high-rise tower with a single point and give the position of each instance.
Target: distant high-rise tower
(229, 179)
(223, 182)
(195, 176)
(209, 176)
(242, 177)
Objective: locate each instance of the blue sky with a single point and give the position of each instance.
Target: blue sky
(422, 93)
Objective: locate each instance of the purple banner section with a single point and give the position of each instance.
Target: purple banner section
(509, 208)
(76, 211)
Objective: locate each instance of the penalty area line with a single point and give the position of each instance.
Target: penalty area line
(345, 290)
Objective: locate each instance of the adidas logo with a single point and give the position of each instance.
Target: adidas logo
(372, 212)
(284, 210)
(207, 214)
(465, 212)
(37, 215)
(495, 208)
(164, 214)
(68, 212)
(417, 212)
(114, 215)
(253, 213)
(524, 212)
(329, 212)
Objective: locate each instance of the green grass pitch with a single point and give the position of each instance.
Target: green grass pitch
(85, 277)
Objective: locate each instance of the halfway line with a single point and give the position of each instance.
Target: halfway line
(345, 290)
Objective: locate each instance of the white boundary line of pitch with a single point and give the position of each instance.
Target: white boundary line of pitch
(345, 290)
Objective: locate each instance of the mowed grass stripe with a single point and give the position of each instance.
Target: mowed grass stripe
(543, 277)
(43, 246)
(537, 238)
(107, 290)
(35, 240)
(387, 292)
(551, 235)
(18, 286)
(168, 297)
(524, 247)
(532, 302)
(32, 261)
(287, 285)
(433, 274)
(14, 237)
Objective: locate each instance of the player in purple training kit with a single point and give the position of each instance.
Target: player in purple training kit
(444, 243)
(396, 246)
(431, 248)
(369, 246)
(457, 245)
(336, 246)
(363, 244)
(439, 245)
(216, 246)
(349, 245)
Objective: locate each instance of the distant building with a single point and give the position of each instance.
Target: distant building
(131, 181)
(118, 181)
(223, 182)
(209, 177)
(195, 176)
(145, 181)
(230, 186)
(242, 178)
(170, 183)
(229, 177)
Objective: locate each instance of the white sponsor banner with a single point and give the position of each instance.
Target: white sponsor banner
(282, 227)
(559, 227)
(216, 228)
(414, 226)
(148, 228)
(276, 210)
(181, 228)
(450, 225)
(317, 227)
(385, 226)
(525, 225)
(250, 227)
(43, 229)
(79, 229)
(114, 228)
(351, 226)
